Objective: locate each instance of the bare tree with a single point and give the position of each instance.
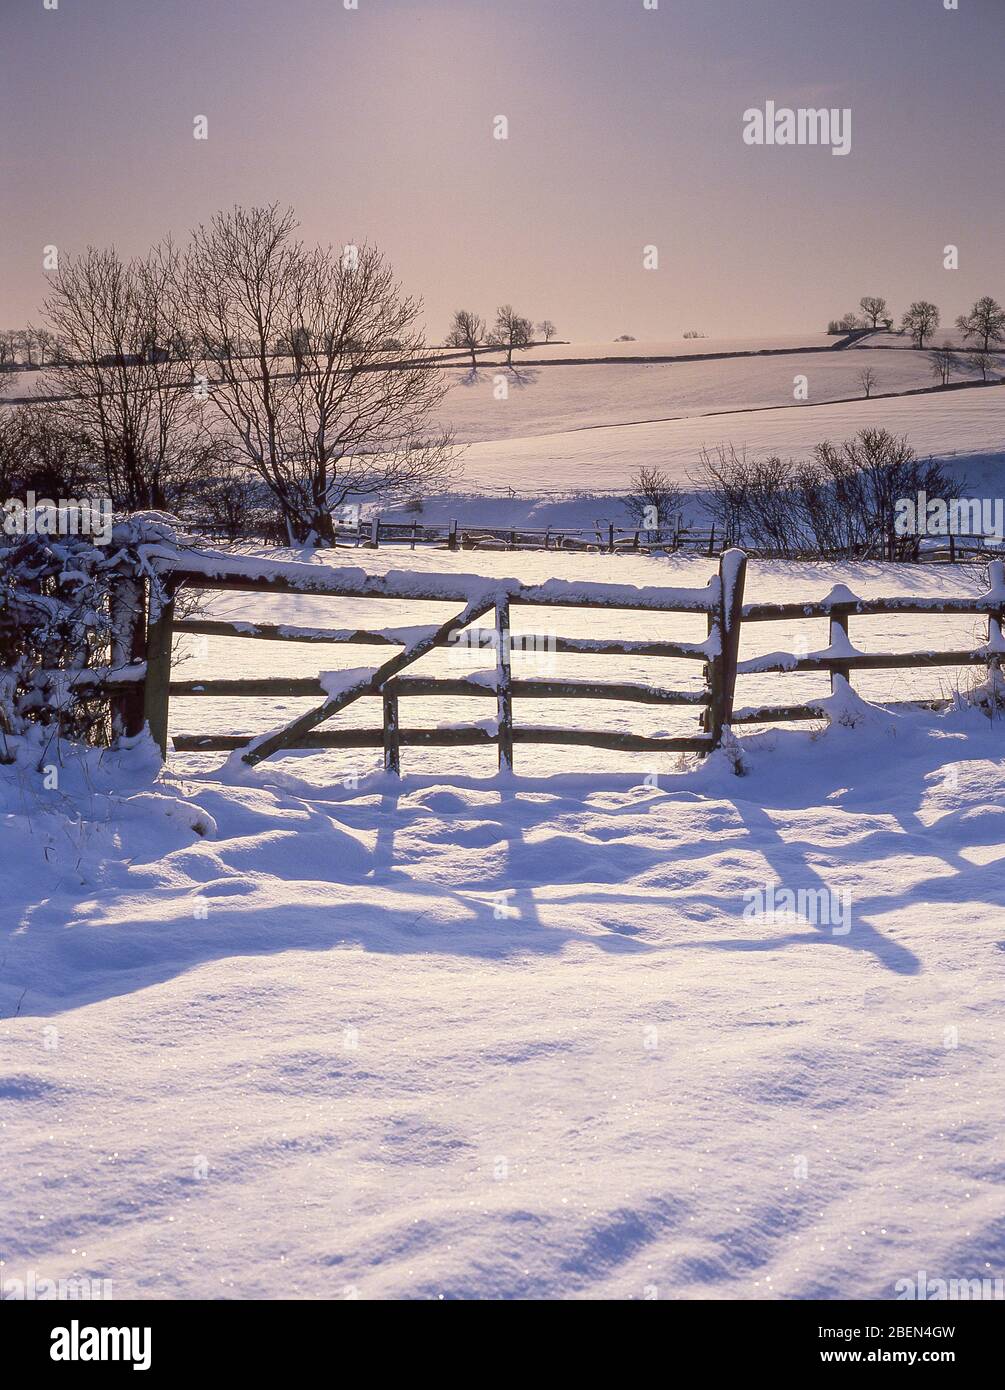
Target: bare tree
(985, 362)
(986, 321)
(467, 331)
(867, 380)
(123, 393)
(547, 330)
(12, 344)
(511, 331)
(840, 502)
(873, 307)
(723, 476)
(944, 361)
(655, 499)
(921, 320)
(45, 344)
(26, 341)
(344, 422)
(39, 454)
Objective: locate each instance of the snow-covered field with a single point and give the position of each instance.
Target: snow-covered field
(556, 399)
(283, 1032)
(966, 427)
(305, 1030)
(461, 1039)
(560, 445)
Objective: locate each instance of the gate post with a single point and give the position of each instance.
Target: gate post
(504, 686)
(392, 733)
(727, 618)
(996, 586)
(160, 623)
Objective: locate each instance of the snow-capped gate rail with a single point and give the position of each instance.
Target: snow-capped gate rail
(840, 657)
(721, 600)
(476, 596)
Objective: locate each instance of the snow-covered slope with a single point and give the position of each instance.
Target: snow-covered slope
(529, 1038)
(965, 427)
(554, 399)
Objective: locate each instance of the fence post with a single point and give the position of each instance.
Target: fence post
(392, 732)
(996, 586)
(452, 536)
(610, 537)
(727, 618)
(127, 610)
(375, 532)
(504, 686)
(160, 621)
(838, 628)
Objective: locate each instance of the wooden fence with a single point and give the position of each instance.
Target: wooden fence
(607, 538)
(602, 536)
(142, 687)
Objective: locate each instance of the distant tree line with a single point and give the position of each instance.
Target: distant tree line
(984, 325)
(511, 332)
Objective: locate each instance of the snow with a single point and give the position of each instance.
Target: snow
(306, 1030)
(516, 1038)
(547, 399)
(336, 682)
(964, 427)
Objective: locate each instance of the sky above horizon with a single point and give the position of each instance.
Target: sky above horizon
(625, 131)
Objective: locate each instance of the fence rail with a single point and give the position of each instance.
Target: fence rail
(141, 692)
(608, 538)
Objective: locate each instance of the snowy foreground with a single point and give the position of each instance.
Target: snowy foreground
(471, 1038)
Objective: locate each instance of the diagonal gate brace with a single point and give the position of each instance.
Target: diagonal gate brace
(290, 734)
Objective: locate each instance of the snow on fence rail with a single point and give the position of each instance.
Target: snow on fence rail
(141, 694)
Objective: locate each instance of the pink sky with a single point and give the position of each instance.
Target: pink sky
(625, 131)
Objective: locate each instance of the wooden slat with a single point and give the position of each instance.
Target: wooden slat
(353, 583)
(459, 736)
(284, 632)
(285, 687)
(882, 607)
(778, 714)
(870, 661)
(269, 687)
(480, 637)
(591, 738)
